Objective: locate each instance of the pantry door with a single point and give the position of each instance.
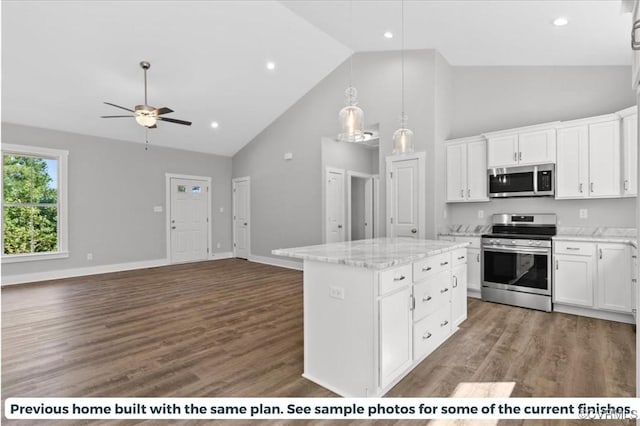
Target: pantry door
(406, 196)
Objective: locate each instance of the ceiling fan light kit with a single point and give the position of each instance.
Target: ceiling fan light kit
(146, 115)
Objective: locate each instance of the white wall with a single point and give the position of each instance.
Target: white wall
(495, 98)
(113, 187)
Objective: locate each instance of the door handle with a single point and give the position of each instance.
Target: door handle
(462, 193)
(515, 156)
(520, 156)
(245, 224)
(478, 257)
(580, 187)
(339, 226)
(626, 184)
(444, 290)
(600, 253)
(400, 278)
(556, 264)
(444, 323)
(591, 186)
(455, 281)
(414, 230)
(426, 298)
(173, 227)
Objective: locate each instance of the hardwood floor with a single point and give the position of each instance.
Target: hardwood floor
(234, 328)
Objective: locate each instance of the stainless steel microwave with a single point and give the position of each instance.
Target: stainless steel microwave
(527, 181)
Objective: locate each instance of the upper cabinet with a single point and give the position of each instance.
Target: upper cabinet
(466, 170)
(522, 147)
(629, 135)
(588, 158)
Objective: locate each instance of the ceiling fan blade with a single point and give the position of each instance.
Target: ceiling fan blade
(173, 120)
(163, 110)
(118, 106)
(117, 116)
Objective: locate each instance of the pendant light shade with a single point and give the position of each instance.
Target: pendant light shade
(403, 137)
(351, 118)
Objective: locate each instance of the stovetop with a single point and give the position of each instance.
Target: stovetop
(518, 236)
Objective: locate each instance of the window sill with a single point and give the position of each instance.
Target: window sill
(33, 257)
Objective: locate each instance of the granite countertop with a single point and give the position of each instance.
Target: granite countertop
(465, 230)
(377, 253)
(599, 235)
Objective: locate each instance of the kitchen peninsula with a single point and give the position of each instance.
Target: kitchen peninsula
(374, 309)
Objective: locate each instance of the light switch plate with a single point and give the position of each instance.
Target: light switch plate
(480, 214)
(157, 209)
(584, 213)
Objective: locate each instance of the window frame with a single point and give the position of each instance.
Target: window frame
(63, 226)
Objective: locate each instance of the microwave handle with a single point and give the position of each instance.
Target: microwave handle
(535, 179)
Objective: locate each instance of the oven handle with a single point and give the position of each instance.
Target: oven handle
(504, 249)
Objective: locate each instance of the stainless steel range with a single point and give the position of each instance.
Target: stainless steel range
(516, 260)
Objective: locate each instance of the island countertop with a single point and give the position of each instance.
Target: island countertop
(376, 253)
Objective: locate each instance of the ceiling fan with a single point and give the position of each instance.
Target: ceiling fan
(147, 115)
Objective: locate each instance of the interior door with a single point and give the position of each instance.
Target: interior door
(189, 213)
(368, 208)
(335, 206)
(404, 198)
(241, 213)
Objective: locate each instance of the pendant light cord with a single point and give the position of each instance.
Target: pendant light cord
(351, 37)
(402, 119)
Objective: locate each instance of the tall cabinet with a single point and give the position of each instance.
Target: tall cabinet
(629, 136)
(466, 168)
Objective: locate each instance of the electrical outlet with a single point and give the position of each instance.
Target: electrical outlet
(89, 256)
(336, 292)
(480, 214)
(584, 213)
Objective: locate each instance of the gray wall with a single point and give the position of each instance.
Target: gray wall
(113, 186)
(349, 156)
(495, 98)
(286, 200)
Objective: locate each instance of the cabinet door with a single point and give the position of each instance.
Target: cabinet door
(614, 277)
(630, 157)
(458, 294)
(477, 171)
(572, 149)
(456, 172)
(502, 151)
(604, 159)
(537, 147)
(395, 336)
(574, 278)
(473, 269)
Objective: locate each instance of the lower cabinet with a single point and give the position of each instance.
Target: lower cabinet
(474, 278)
(593, 275)
(396, 324)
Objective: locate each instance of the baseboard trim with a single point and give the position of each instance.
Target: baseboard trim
(78, 272)
(474, 293)
(222, 255)
(289, 264)
(593, 313)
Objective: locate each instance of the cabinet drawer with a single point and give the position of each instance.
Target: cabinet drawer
(392, 279)
(474, 241)
(431, 294)
(458, 257)
(574, 247)
(430, 332)
(426, 268)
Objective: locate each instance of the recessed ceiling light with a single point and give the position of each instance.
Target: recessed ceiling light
(214, 125)
(388, 34)
(271, 66)
(560, 22)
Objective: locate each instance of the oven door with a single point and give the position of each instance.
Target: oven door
(525, 269)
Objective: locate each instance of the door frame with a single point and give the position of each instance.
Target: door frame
(234, 181)
(325, 176)
(350, 174)
(422, 161)
(168, 177)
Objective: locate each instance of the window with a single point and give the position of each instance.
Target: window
(34, 203)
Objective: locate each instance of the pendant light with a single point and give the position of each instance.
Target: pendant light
(403, 137)
(351, 117)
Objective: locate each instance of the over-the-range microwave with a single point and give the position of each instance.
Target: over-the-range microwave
(526, 181)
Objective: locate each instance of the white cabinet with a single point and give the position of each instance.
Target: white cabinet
(614, 277)
(596, 276)
(629, 151)
(466, 170)
(588, 158)
(458, 294)
(522, 147)
(473, 276)
(395, 334)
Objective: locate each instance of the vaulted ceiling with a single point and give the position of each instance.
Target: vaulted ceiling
(62, 59)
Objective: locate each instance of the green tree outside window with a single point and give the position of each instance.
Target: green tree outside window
(30, 204)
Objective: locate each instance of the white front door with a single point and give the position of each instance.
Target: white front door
(335, 206)
(241, 235)
(189, 216)
(405, 210)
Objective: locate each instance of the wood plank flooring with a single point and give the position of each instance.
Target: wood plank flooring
(234, 328)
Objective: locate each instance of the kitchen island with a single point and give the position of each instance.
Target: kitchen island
(374, 309)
